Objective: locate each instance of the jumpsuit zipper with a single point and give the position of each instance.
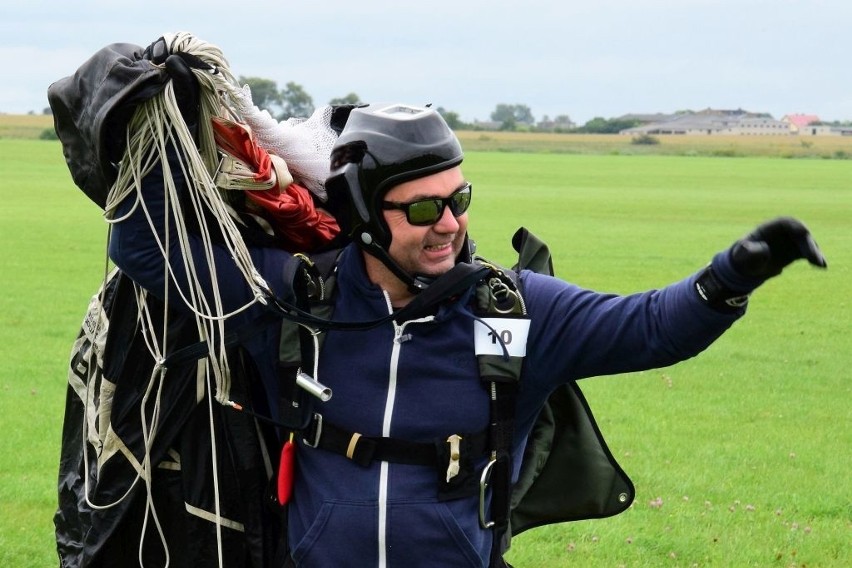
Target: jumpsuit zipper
(398, 330)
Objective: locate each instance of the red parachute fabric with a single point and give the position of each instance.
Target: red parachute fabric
(236, 140)
(292, 214)
(289, 210)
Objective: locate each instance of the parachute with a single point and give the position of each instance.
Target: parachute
(152, 451)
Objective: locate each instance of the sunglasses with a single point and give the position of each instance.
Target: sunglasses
(428, 211)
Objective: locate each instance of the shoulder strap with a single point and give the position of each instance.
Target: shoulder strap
(311, 279)
(500, 306)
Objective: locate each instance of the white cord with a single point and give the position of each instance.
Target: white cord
(157, 125)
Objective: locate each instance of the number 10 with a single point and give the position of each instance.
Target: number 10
(505, 336)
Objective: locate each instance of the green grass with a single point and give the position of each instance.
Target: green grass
(740, 456)
(52, 242)
(746, 446)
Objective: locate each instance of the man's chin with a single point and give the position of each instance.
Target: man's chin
(435, 269)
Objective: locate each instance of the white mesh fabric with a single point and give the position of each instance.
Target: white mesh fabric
(304, 143)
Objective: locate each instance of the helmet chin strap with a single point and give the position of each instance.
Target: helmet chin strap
(416, 283)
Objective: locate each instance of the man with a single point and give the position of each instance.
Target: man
(409, 381)
(417, 380)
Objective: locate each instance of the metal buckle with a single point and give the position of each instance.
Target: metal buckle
(317, 432)
(484, 479)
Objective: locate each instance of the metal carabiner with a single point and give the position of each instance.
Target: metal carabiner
(314, 441)
(500, 295)
(484, 480)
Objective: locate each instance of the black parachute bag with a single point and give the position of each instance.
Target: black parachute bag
(568, 473)
(91, 110)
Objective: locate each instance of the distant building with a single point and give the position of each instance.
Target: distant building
(799, 122)
(710, 122)
(761, 127)
(486, 125)
(825, 130)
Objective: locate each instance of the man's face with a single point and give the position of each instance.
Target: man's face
(429, 250)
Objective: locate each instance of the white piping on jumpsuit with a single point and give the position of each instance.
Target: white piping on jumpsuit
(386, 429)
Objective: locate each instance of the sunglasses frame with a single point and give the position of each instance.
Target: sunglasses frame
(441, 203)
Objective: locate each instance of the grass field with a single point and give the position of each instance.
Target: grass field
(740, 456)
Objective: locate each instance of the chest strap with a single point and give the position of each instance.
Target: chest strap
(364, 450)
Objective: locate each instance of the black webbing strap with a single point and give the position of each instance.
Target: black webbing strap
(201, 349)
(364, 450)
(459, 278)
(502, 430)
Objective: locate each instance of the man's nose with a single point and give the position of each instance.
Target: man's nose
(447, 223)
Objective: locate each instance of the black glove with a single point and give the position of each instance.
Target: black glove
(339, 116)
(179, 66)
(765, 252)
(760, 255)
(186, 89)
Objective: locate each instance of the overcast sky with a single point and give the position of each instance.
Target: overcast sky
(581, 58)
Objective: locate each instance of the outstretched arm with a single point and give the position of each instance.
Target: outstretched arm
(578, 333)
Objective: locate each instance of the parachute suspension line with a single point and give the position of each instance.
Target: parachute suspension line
(214, 458)
(210, 319)
(315, 333)
(148, 437)
(160, 119)
(149, 426)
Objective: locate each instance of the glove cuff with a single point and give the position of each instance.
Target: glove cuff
(716, 294)
(731, 278)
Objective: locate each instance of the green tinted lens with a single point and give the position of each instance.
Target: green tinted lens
(425, 212)
(460, 201)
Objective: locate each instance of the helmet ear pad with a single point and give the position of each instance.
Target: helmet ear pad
(345, 201)
(362, 222)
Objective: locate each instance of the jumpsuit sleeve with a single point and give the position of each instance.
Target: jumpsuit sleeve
(577, 333)
(135, 250)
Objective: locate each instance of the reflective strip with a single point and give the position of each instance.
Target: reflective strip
(208, 516)
(114, 445)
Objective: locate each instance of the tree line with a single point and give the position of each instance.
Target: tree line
(294, 101)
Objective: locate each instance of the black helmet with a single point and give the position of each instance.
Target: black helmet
(381, 146)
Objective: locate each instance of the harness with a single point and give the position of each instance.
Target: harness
(548, 490)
